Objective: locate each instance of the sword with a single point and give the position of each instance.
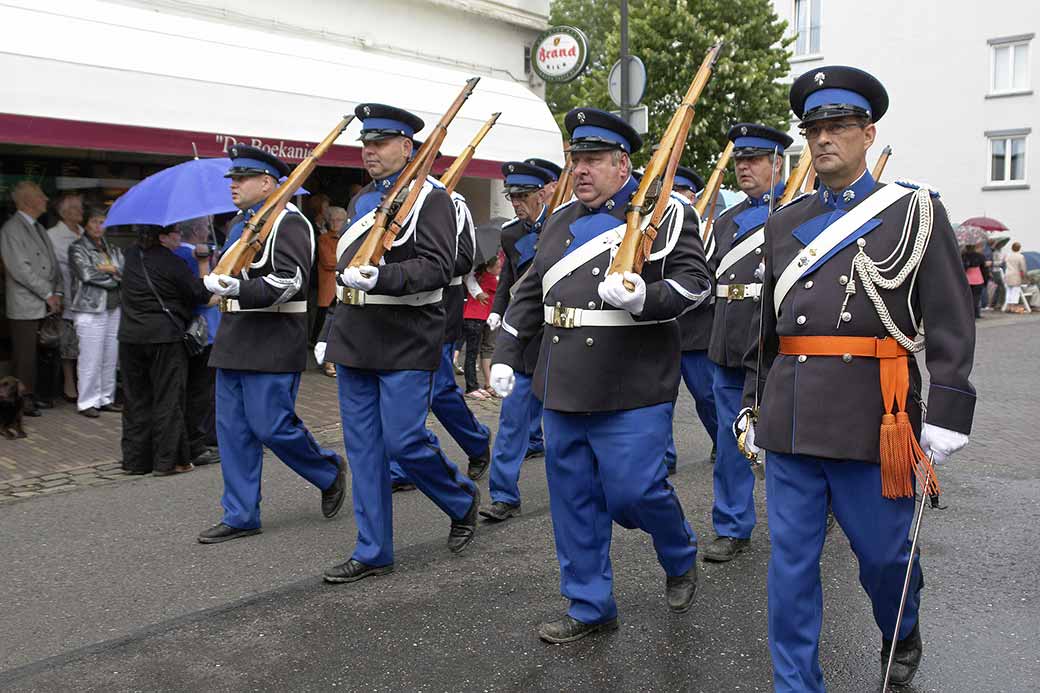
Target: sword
(906, 580)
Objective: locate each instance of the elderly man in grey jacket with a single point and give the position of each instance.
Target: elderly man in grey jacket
(34, 285)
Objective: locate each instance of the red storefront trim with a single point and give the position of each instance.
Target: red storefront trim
(57, 132)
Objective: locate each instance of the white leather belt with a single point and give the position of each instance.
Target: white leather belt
(455, 281)
(738, 292)
(231, 305)
(569, 318)
(356, 297)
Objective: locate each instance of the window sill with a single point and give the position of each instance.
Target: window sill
(805, 58)
(1005, 94)
(1007, 186)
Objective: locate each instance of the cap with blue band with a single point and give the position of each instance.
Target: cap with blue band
(594, 130)
(253, 161)
(753, 139)
(521, 176)
(836, 91)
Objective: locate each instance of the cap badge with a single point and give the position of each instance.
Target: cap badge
(848, 195)
(367, 111)
(511, 168)
(819, 77)
(743, 130)
(581, 116)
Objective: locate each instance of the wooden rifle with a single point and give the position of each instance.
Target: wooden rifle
(562, 192)
(712, 189)
(243, 251)
(655, 188)
(399, 201)
(879, 167)
(810, 180)
(797, 177)
(454, 173)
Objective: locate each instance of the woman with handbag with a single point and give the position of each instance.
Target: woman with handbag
(155, 335)
(96, 268)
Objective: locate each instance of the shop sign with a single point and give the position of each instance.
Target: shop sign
(286, 151)
(560, 54)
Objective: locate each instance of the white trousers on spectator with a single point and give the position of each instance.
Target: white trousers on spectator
(98, 353)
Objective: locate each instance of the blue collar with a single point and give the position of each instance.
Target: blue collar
(383, 185)
(778, 191)
(535, 225)
(619, 199)
(847, 197)
(250, 211)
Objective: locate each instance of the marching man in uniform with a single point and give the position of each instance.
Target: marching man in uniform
(259, 353)
(758, 162)
(521, 412)
(858, 277)
(386, 337)
(608, 373)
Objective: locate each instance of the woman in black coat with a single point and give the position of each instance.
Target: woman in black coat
(977, 273)
(152, 355)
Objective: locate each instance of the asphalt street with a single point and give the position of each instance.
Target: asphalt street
(106, 589)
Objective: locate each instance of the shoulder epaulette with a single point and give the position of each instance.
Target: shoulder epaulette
(511, 222)
(916, 185)
(436, 183)
(565, 205)
(458, 197)
(801, 198)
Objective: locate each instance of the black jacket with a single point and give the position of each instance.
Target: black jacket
(516, 263)
(695, 325)
(143, 321)
(455, 296)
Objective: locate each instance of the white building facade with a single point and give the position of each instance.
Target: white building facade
(98, 85)
(963, 81)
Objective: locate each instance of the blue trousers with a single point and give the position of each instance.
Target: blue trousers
(698, 372)
(733, 513)
(384, 418)
(253, 410)
(536, 441)
(450, 408)
(799, 488)
(598, 472)
(512, 441)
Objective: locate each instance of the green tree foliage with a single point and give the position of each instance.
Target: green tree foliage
(672, 37)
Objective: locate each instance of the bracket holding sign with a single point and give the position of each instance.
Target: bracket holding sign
(560, 54)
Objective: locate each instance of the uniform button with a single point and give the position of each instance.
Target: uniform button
(732, 276)
(843, 280)
(802, 358)
(592, 305)
(595, 271)
(567, 242)
(808, 284)
(556, 339)
(590, 341)
(758, 251)
(847, 358)
(559, 304)
(846, 316)
(800, 320)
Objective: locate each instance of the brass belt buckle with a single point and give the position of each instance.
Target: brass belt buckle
(354, 297)
(735, 292)
(225, 305)
(563, 317)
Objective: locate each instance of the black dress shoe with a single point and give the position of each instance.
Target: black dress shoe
(680, 590)
(31, 411)
(462, 531)
(401, 486)
(112, 407)
(478, 466)
(907, 659)
(43, 404)
(500, 511)
(723, 549)
(222, 532)
(136, 472)
(534, 452)
(352, 571)
(207, 456)
(90, 412)
(332, 497)
(711, 458)
(569, 629)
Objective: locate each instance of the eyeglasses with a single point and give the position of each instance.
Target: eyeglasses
(812, 132)
(519, 195)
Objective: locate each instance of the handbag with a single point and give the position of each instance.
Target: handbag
(49, 334)
(196, 334)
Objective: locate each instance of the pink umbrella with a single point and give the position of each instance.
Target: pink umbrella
(987, 224)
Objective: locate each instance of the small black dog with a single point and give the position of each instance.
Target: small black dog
(12, 403)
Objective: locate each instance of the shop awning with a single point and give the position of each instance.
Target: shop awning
(102, 75)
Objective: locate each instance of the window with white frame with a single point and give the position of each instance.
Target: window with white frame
(1007, 157)
(807, 27)
(1009, 60)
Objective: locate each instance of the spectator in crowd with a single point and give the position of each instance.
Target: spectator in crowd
(996, 275)
(63, 234)
(976, 271)
(93, 306)
(475, 314)
(327, 258)
(200, 411)
(316, 209)
(1014, 278)
(159, 293)
(33, 284)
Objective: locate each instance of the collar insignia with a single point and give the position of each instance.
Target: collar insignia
(610, 204)
(848, 195)
(819, 77)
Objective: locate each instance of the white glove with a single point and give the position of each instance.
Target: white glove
(613, 291)
(221, 284)
(363, 277)
(940, 443)
(319, 352)
(493, 321)
(502, 379)
(746, 422)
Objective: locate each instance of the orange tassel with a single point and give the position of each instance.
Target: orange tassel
(896, 460)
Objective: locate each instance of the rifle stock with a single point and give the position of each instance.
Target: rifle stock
(453, 175)
(398, 202)
(797, 177)
(562, 192)
(259, 227)
(810, 180)
(882, 161)
(658, 177)
(713, 187)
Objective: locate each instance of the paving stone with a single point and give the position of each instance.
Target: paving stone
(64, 487)
(24, 494)
(61, 480)
(52, 477)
